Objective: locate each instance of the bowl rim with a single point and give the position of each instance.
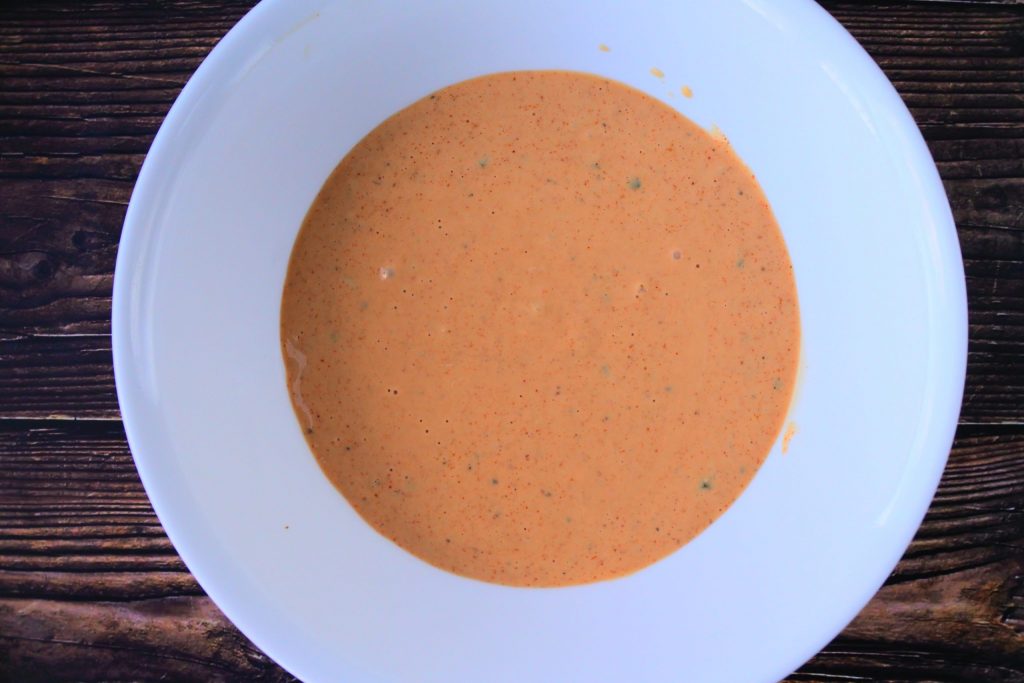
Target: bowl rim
(254, 33)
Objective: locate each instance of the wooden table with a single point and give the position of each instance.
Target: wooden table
(91, 589)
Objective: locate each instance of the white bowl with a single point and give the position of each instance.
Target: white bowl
(202, 387)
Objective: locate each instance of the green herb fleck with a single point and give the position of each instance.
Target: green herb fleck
(483, 161)
(776, 384)
(634, 183)
(741, 263)
(705, 484)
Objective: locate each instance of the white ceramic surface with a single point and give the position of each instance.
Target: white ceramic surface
(201, 382)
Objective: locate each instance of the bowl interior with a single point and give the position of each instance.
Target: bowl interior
(201, 382)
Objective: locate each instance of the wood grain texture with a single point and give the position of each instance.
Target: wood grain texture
(77, 532)
(176, 639)
(953, 609)
(79, 109)
(91, 589)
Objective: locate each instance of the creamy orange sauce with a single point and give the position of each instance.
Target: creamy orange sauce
(540, 329)
(787, 436)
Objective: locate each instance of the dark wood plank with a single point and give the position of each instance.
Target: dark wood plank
(90, 589)
(55, 356)
(76, 528)
(57, 376)
(177, 639)
(75, 522)
(953, 609)
(73, 135)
